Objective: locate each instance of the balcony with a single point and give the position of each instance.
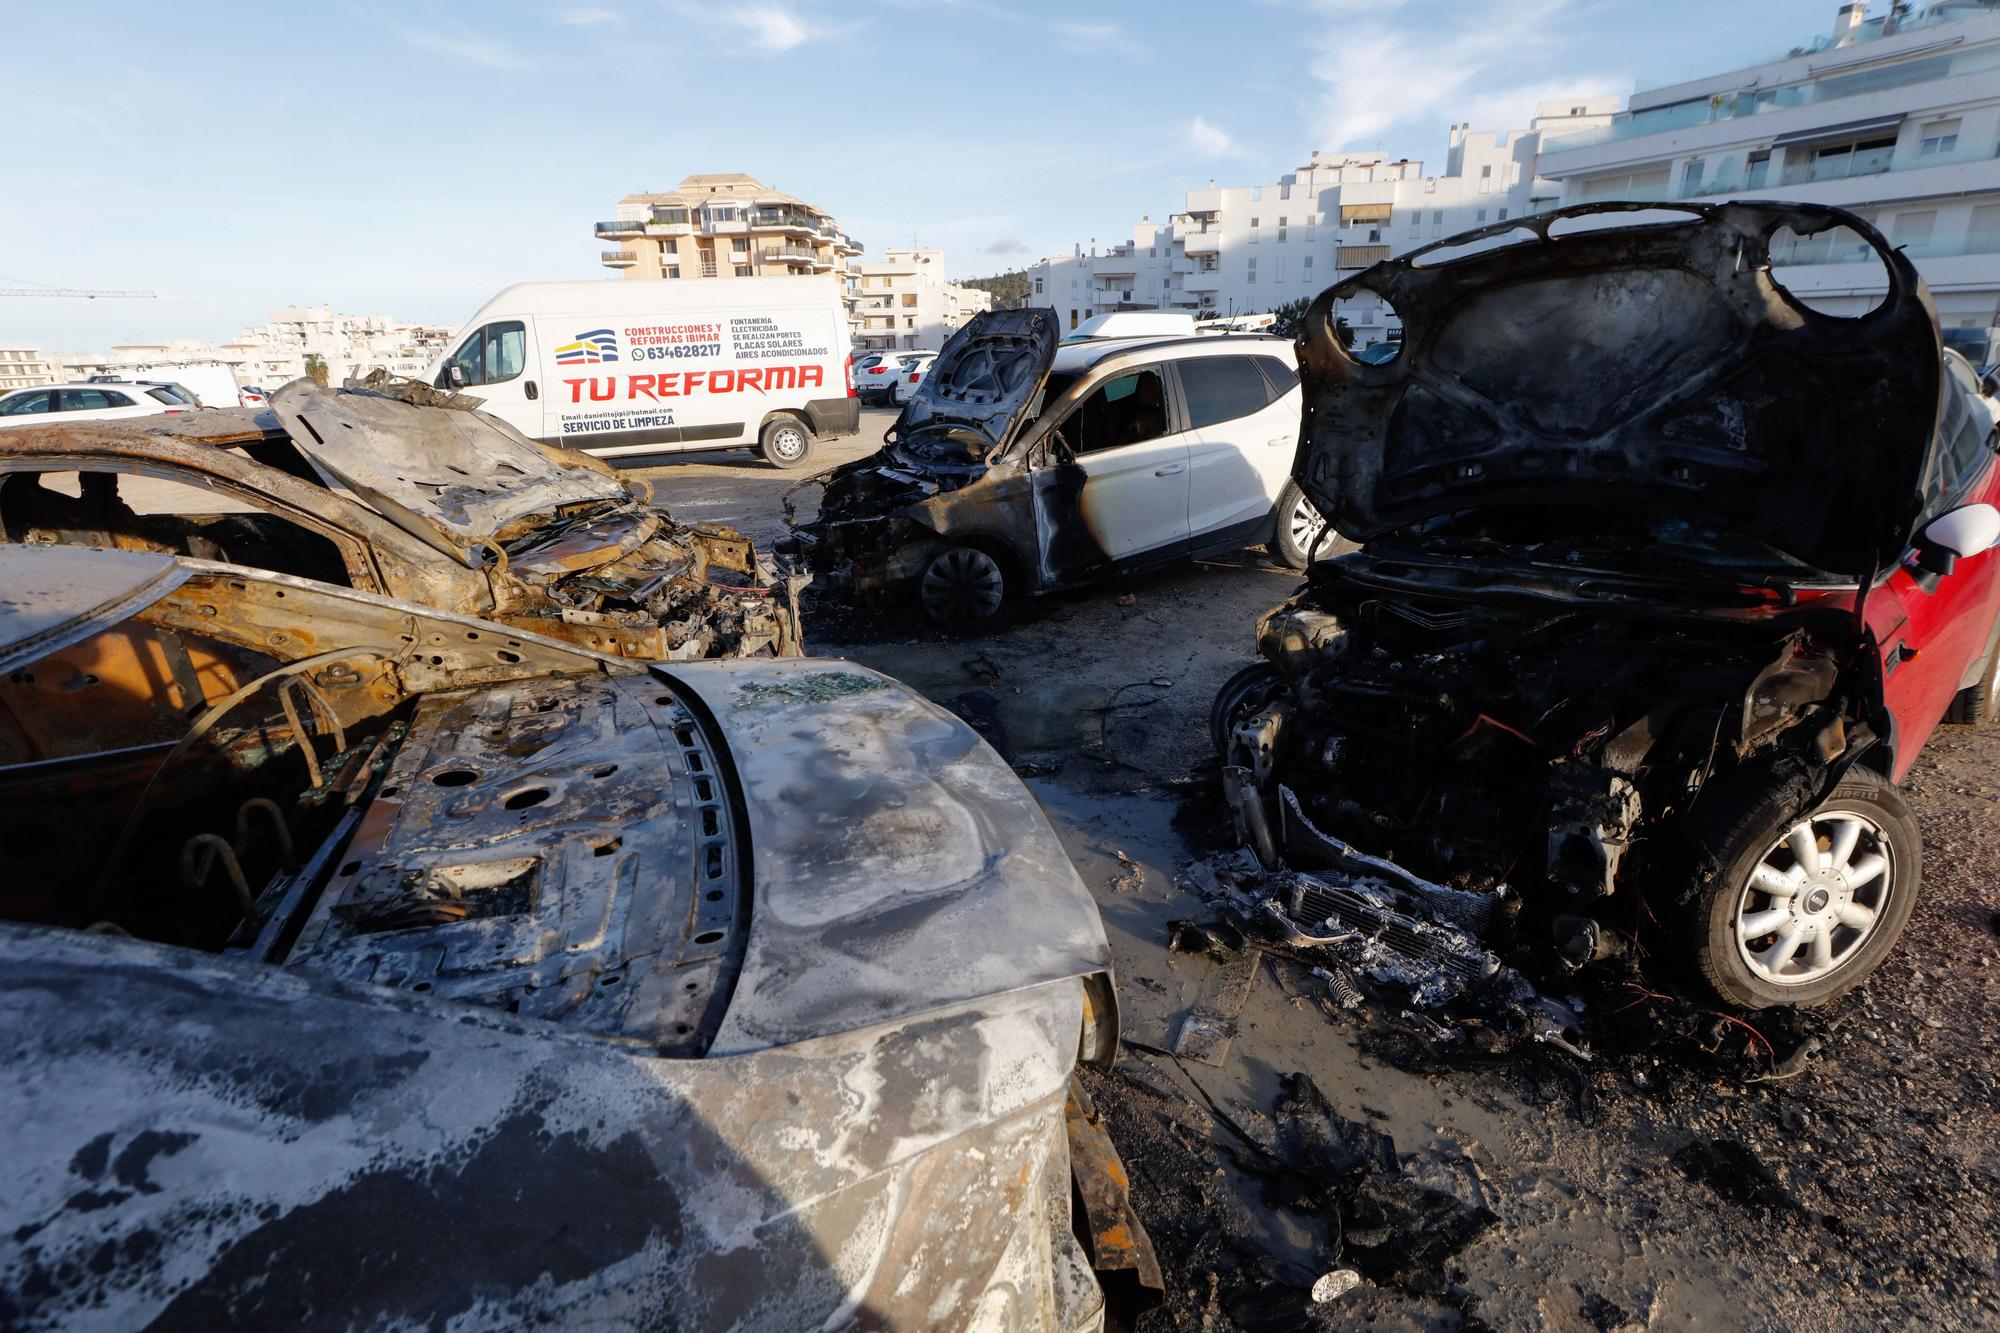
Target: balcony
(1114, 264)
(1828, 249)
(1757, 102)
(620, 227)
(792, 254)
(618, 258)
(1203, 241)
(1203, 282)
(1755, 178)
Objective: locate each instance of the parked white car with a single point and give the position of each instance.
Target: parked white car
(89, 402)
(877, 382)
(914, 368)
(1066, 465)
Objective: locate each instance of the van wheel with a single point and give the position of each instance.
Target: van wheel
(1301, 536)
(786, 442)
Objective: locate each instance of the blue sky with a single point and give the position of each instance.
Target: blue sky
(410, 159)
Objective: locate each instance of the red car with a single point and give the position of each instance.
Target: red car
(1665, 579)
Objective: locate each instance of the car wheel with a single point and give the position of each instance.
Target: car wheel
(786, 442)
(1300, 526)
(964, 589)
(1977, 705)
(1799, 909)
(1241, 695)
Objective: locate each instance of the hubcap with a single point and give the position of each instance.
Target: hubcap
(1306, 525)
(1815, 898)
(963, 587)
(789, 443)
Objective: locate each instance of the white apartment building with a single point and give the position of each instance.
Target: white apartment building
(24, 367)
(275, 352)
(722, 225)
(1895, 117)
(902, 301)
(1237, 249)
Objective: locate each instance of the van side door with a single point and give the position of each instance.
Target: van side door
(497, 363)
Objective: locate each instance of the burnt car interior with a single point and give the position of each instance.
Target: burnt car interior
(430, 805)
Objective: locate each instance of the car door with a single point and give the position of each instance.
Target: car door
(495, 363)
(27, 409)
(99, 404)
(1932, 630)
(1245, 430)
(1127, 440)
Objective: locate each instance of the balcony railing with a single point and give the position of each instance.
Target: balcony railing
(1738, 180)
(1756, 102)
(1826, 248)
(618, 258)
(619, 227)
(778, 254)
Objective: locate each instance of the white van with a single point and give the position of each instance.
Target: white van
(619, 367)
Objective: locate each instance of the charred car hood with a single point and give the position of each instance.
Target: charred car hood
(455, 472)
(985, 378)
(1656, 368)
(898, 864)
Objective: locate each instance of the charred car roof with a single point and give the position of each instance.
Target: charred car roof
(1657, 367)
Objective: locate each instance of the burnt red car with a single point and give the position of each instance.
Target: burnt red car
(1665, 579)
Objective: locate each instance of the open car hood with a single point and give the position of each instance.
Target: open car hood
(1656, 368)
(986, 377)
(451, 472)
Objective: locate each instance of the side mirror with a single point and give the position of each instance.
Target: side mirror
(1952, 537)
(455, 374)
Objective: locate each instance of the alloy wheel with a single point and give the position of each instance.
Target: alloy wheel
(1814, 898)
(1306, 524)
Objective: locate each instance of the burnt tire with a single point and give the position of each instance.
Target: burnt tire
(967, 590)
(1770, 928)
(1301, 535)
(786, 442)
(1240, 696)
(1979, 703)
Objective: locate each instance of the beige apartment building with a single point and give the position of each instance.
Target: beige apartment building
(23, 368)
(723, 226)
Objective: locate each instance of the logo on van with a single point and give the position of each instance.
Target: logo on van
(589, 349)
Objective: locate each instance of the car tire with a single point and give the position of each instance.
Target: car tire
(1241, 695)
(967, 590)
(1978, 704)
(786, 443)
(1766, 933)
(1299, 525)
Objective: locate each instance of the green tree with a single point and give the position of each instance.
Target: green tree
(1289, 319)
(1010, 290)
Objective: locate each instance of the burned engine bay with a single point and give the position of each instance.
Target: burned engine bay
(390, 486)
(1523, 765)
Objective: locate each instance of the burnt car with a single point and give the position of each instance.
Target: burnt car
(1019, 468)
(1665, 578)
(370, 964)
(392, 487)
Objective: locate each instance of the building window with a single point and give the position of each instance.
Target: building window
(1256, 196)
(1253, 272)
(1309, 261)
(1914, 228)
(1503, 215)
(1938, 137)
(744, 270)
(1038, 286)
(1437, 218)
(1480, 216)
(1755, 169)
(1691, 176)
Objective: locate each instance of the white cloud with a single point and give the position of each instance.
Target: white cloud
(470, 48)
(1008, 245)
(1376, 76)
(771, 28)
(1209, 140)
(1086, 32)
(585, 16)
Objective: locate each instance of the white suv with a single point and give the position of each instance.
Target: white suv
(52, 403)
(909, 376)
(1020, 467)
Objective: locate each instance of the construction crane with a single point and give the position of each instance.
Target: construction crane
(42, 289)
